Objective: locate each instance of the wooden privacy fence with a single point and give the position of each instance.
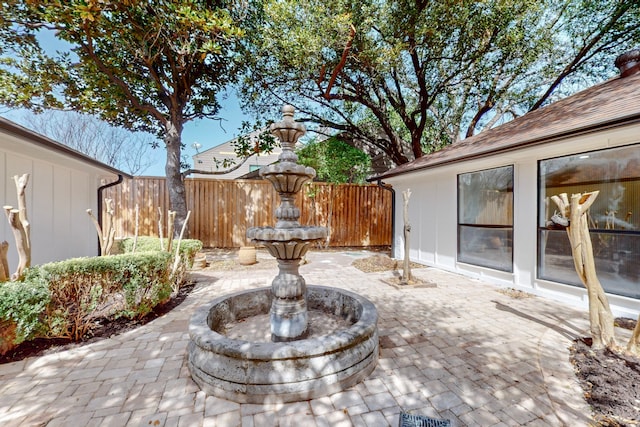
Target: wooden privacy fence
(222, 210)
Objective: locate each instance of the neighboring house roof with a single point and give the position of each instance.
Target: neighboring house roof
(205, 160)
(613, 103)
(39, 140)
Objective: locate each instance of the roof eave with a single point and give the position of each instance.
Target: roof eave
(32, 136)
(525, 143)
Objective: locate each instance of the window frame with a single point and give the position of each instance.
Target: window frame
(459, 225)
(542, 228)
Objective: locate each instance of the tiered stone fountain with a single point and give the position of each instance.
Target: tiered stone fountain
(288, 242)
(301, 361)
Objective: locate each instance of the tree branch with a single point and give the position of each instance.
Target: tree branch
(89, 50)
(222, 172)
(342, 62)
(584, 53)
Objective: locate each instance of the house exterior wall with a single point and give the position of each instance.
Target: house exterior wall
(205, 161)
(59, 192)
(433, 216)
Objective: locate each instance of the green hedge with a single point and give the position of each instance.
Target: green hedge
(188, 250)
(83, 290)
(21, 306)
(65, 299)
(188, 247)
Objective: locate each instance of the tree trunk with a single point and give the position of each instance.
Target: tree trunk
(4, 263)
(600, 316)
(634, 342)
(21, 186)
(20, 235)
(175, 182)
(406, 266)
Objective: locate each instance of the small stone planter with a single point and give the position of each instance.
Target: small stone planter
(247, 255)
(200, 261)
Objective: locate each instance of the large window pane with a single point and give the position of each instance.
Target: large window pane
(485, 218)
(614, 218)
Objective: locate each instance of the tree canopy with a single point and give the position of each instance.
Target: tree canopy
(145, 66)
(407, 78)
(335, 161)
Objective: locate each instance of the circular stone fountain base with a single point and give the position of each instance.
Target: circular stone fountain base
(267, 372)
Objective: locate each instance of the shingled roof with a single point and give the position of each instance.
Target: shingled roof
(613, 103)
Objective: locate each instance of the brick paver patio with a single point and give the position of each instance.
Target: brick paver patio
(461, 351)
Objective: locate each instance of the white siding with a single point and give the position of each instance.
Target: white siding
(60, 191)
(209, 165)
(206, 161)
(433, 215)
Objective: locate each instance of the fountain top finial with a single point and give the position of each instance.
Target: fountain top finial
(288, 110)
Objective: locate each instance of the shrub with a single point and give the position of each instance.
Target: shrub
(188, 250)
(83, 290)
(188, 247)
(65, 299)
(21, 308)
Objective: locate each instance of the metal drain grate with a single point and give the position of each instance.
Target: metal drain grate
(408, 420)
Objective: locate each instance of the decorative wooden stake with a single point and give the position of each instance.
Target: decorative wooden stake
(330, 216)
(135, 235)
(160, 228)
(21, 232)
(171, 217)
(21, 186)
(110, 232)
(406, 266)
(600, 316)
(107, 237)
(20, 236)
(98, 229)
(176, 260)
(634, 342)
(4, 263)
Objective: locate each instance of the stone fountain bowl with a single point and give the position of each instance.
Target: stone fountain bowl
(267, 372)
(287, 177)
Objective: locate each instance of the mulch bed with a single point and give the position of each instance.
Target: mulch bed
(105, 328)
(379, 263)
(610, 380)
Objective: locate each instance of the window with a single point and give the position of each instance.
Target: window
(485, 218)
(254, 167)
(614, 218)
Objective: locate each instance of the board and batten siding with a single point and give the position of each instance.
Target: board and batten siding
(59, 192)
(433, 216)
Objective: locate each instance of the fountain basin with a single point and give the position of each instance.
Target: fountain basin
(268, 372)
